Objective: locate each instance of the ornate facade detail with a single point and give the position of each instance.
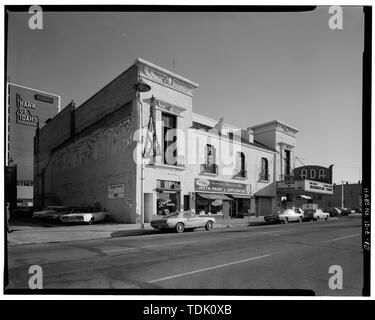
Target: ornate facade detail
(101, 144)
(168, 107)
(165, 79)
(285, 146)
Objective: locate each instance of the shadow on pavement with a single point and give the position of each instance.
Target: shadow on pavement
(129, 233)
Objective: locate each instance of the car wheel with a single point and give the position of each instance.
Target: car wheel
(209, 225)
(180, 227)
(92, 220)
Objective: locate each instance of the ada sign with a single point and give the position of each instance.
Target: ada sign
(317, 173)
(116, 191)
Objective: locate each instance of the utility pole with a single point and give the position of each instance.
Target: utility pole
(342, 193)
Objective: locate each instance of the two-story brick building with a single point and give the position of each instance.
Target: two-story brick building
(95, 153)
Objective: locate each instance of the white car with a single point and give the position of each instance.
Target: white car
(182, 220)
(85, 215)
(315, 215)
(285, 216)
(51, 212)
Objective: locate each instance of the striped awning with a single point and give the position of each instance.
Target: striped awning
(214, 196)
(241, 196)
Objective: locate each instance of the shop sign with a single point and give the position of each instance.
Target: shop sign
(221, 186)
(116, 191)
(285, 186)
(316, 173)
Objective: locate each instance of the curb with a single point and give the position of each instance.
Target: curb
(130, 233)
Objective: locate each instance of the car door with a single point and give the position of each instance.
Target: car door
(192, 221)
(296, 214)
(189, 222)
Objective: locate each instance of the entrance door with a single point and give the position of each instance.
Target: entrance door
(264, 206)
(226, 209)
(186, 202)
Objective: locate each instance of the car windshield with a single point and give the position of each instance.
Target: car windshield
(172, 215)
(189, 214)
(80, 210)
(310, 211)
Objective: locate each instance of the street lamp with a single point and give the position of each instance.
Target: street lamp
(141, 86)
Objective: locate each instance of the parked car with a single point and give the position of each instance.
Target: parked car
(182, 220)
(333, 211)
(345, 211)
(85, 215)
(315, 215)
(285, 215)
(358, 210)
(51, 212)
(23, 211)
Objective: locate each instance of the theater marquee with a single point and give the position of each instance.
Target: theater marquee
(305, 186)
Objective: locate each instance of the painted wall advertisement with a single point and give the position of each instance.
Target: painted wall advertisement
(116, 191)
(221, 186)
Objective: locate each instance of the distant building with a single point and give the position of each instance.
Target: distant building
(28, 109)
(350, 193)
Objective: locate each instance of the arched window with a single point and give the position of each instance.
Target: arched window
(264, 170)
(210, 154)
(241, 165)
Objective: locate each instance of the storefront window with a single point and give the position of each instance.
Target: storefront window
(168, 196)
(208, 206)
(167, 202)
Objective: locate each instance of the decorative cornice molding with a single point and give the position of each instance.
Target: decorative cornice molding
(168, 107)
(165, 78)
(285, 145)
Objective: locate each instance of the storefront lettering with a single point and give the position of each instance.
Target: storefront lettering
(221, 186)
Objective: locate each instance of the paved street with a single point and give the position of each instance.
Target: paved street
(291, 256)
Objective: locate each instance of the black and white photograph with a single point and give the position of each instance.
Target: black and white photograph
(176, 150)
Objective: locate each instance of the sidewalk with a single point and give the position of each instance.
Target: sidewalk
(29, 234)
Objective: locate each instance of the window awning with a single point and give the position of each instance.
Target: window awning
(214, 196)
(241, 196)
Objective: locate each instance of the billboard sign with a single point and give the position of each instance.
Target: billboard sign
(31, 107)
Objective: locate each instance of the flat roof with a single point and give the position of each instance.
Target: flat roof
(274, 121)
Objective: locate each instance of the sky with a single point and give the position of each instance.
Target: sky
(251, 68)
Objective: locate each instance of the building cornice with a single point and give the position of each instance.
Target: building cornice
(278, 124)
(164, 77)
